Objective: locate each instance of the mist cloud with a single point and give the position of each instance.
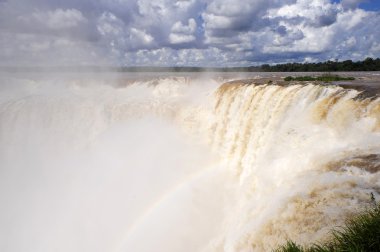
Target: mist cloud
(186, 32)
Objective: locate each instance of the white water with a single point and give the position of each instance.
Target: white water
(179, 164)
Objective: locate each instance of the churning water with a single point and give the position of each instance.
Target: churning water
(163, 163)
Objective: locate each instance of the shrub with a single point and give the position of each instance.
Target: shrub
(325, 78)
(361, 233)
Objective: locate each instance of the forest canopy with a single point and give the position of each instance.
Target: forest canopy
(369, 64)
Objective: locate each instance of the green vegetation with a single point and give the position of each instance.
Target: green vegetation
(369, 64)
(360, 234)
(325, 78)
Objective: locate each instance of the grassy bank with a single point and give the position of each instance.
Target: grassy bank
(324, 78)
(360, 234)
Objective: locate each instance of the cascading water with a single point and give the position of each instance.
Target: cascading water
(305, 157)
(180, 164)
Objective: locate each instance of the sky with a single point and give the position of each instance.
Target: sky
(186, 32)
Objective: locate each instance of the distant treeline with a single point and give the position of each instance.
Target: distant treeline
(368, 64)
(136, 69)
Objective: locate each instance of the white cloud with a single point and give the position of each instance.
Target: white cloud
(180, 38)
(141, 36)
(54, 19)
(188, 32)
(110, 25)
(61, 19)
(181, 33)
(336, 38)
(178, 27)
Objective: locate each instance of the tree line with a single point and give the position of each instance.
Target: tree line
(369, 64)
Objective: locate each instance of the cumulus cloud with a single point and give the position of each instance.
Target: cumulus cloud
(314, 13)
(184, 32)
(56, 19)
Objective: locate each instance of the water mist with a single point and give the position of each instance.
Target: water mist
(180, 163)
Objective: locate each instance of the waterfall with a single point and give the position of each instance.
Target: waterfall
(163, 163)
(305, 156)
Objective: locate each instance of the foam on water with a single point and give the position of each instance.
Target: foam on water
(179, 163)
